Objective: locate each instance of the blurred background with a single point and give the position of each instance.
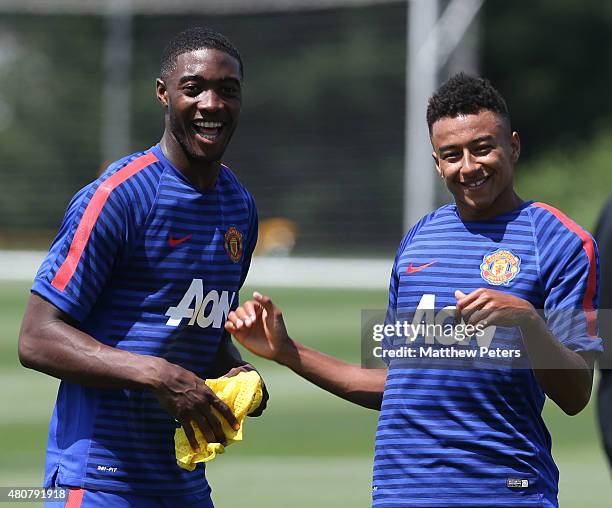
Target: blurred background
(333, 145)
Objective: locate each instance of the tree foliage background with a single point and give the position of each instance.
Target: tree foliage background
(322, 128)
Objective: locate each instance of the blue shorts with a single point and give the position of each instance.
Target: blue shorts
(80, 498)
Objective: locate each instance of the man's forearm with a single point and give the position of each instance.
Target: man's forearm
(565, 376)
(49, 343)
(61, 350)
(351, 382)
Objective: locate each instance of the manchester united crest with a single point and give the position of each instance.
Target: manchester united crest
(233, 244)
(500, 267)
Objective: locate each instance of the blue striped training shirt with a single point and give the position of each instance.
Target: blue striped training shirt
(461, 434)
(144, 262)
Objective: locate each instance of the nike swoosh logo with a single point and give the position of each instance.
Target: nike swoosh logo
(413, 269)
(173, 242)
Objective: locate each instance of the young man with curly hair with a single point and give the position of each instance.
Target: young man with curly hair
(461, 434)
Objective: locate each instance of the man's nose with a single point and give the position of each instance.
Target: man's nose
(210, 100)
(470, 164)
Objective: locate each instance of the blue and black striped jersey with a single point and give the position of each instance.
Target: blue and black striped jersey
(147, 263)
(461, 434)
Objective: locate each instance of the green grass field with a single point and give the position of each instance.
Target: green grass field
(310, 449)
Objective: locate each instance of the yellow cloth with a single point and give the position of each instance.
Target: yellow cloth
(242, 394)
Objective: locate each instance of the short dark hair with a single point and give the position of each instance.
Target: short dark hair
(463, 94)
(193, 39)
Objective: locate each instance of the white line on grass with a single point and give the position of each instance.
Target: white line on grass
(278, 272)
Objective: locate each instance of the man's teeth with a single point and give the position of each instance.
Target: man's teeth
(476, 183)
(208, 129)
(208, 125)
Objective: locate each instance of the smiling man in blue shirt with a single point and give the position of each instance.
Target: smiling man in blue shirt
(468, 435)
(128, 307)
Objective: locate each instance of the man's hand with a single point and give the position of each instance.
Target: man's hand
(186, 397)
(258, 325)
(488, 307)
(49, 342)
(564, 375)
(247, 367)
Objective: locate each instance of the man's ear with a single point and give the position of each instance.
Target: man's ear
(437, 161)
(161, 92)
(515, 146)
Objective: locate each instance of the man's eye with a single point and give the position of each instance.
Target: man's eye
(192, 90)
(483, 150)
(452, 157)
(230, 90)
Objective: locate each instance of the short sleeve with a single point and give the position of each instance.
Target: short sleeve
(569, 265)
(79, 263)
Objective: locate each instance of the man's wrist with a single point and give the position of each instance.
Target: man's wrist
(532, 324)
(287, 353)
(151, 368)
